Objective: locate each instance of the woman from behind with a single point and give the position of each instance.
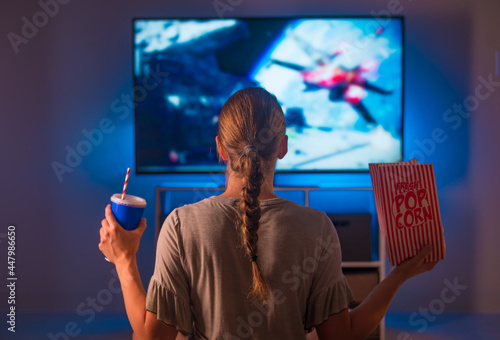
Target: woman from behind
(247, 264)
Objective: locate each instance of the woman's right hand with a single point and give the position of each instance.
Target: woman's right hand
(415, 265)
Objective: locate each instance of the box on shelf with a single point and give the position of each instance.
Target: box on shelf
(354, 235)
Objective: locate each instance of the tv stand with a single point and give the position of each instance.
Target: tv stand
(362, 275)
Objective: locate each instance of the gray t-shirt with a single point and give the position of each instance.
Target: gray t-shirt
(202, 275)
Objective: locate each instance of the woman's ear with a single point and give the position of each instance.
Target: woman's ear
(220, 149)
(283, 148)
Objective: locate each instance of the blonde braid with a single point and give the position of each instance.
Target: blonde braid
(250, 216)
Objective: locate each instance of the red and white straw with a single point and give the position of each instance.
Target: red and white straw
(125, 184)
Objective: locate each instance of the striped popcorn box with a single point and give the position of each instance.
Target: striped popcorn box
(408, 209)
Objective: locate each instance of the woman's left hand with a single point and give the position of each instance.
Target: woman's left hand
(117, 244)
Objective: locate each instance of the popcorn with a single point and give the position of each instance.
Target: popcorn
(408, 209)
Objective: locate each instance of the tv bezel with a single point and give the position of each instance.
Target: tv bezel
(277, 171)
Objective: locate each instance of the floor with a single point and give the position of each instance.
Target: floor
(449, 326)
(107, 326)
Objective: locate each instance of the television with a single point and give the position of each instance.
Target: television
(339, 81)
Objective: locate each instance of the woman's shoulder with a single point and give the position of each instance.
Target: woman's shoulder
(211, 202)
(275, 208)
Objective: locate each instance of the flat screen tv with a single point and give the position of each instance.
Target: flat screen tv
(339, 81)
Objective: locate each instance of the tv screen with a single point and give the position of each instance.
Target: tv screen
(338, 80)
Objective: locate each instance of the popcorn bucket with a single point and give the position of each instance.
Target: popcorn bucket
(408, 209)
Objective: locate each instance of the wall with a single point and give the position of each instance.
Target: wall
(484, 162)
(65, 78)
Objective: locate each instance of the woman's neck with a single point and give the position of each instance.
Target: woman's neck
(234, 185)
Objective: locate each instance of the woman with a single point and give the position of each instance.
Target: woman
(247, 264)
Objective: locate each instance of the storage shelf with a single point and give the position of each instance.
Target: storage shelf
(361, 264)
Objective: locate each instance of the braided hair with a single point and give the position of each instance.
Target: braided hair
(251, 128)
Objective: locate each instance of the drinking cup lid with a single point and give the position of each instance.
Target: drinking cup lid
(129, 200)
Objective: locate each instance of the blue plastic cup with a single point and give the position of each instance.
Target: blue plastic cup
(128, 212)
